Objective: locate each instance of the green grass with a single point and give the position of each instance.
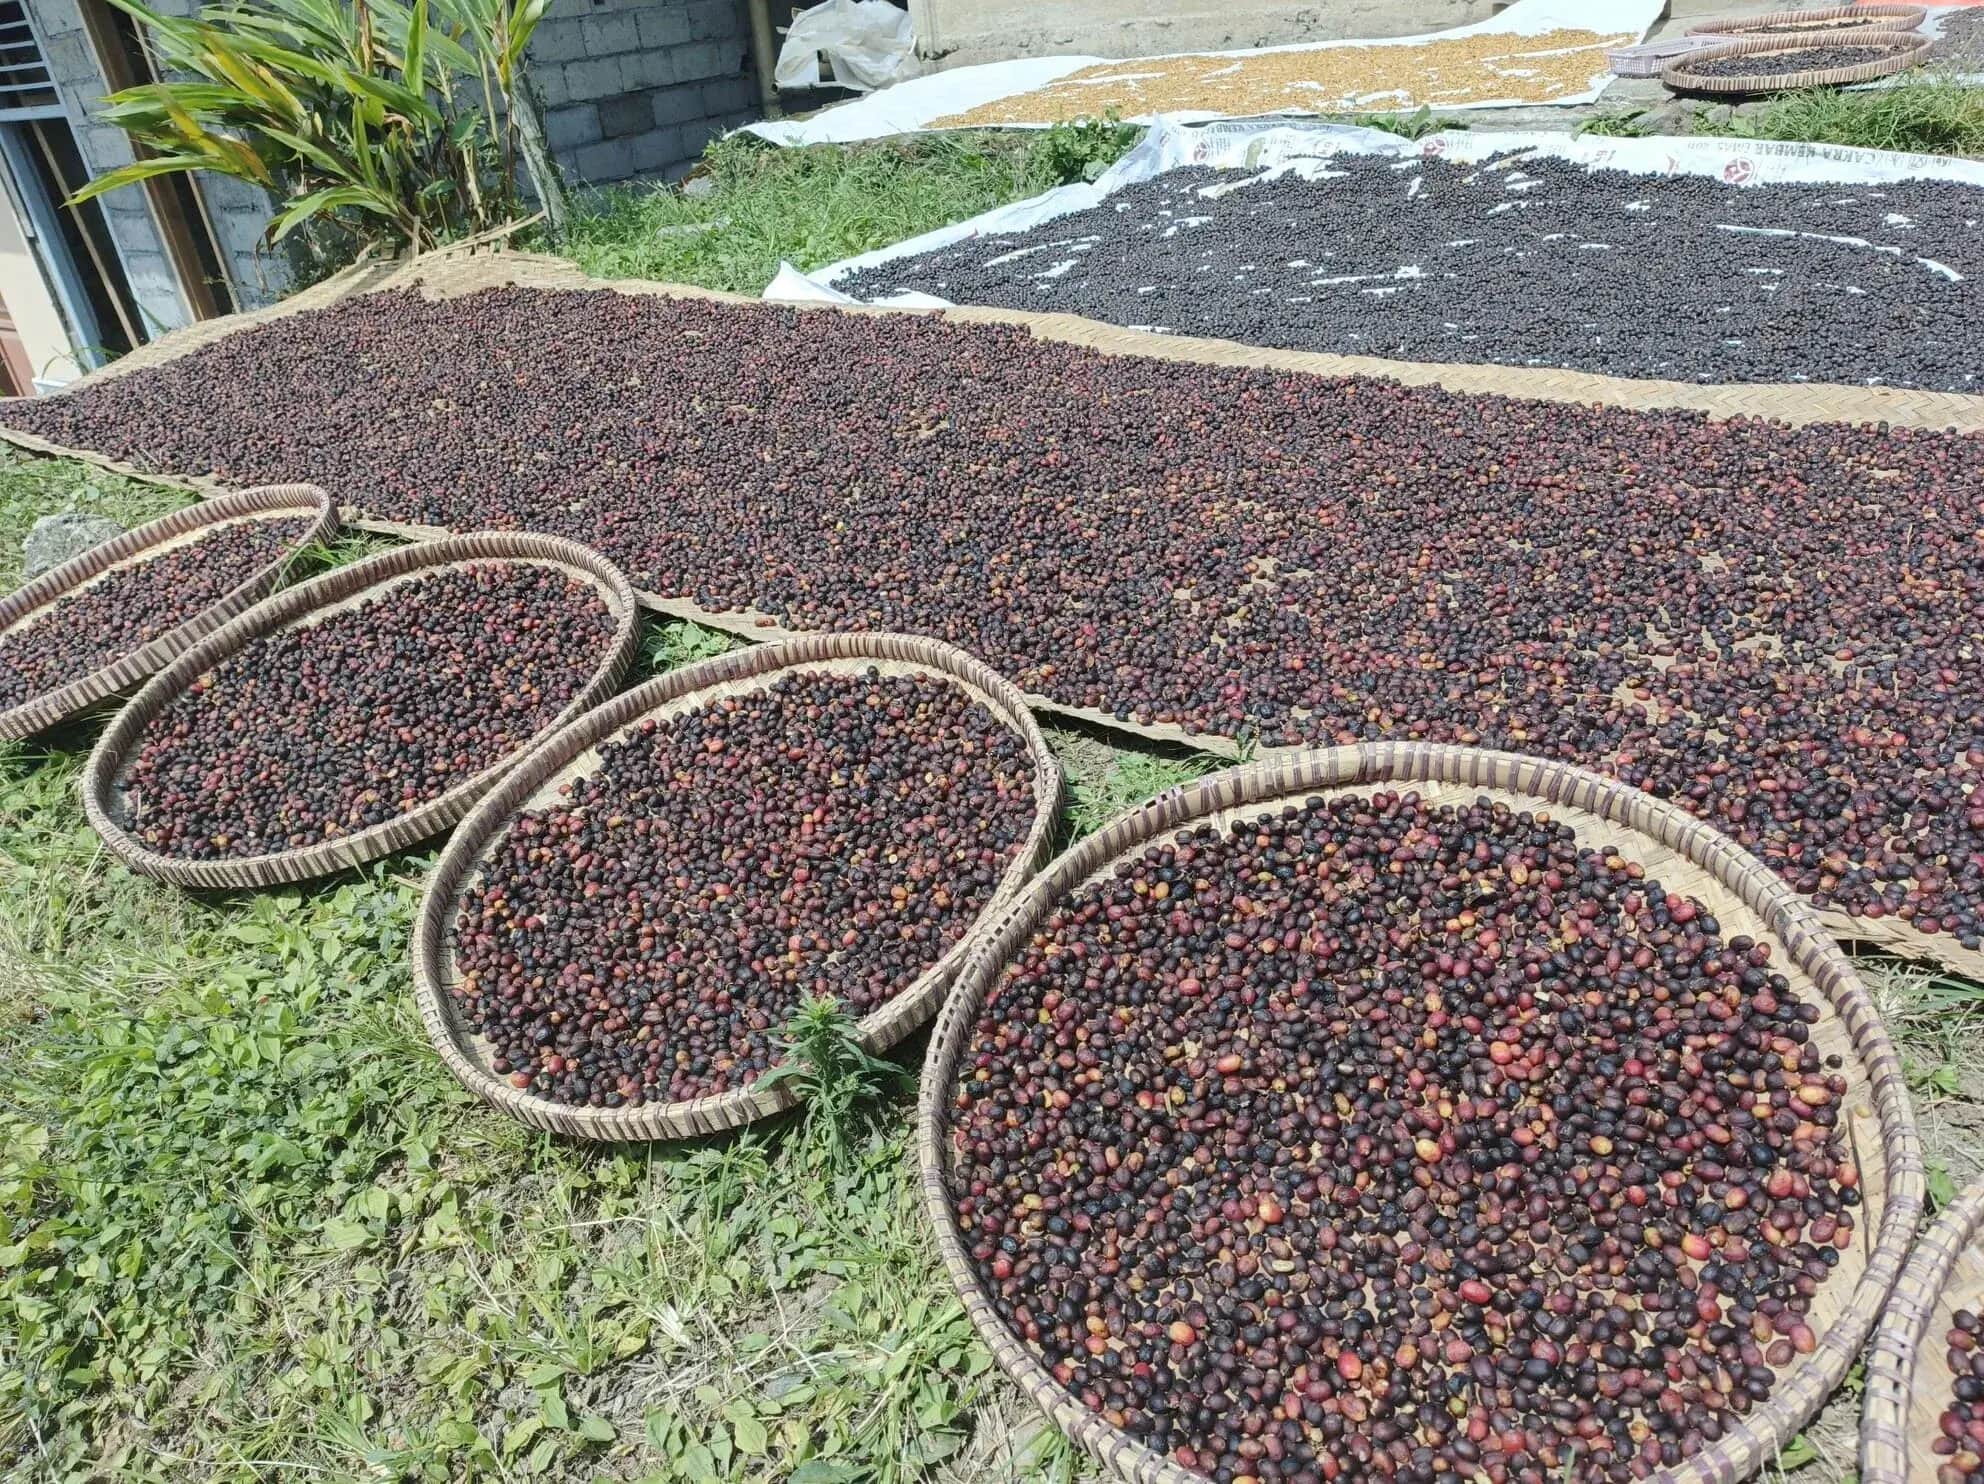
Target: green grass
(820, 204)
(1933, 117)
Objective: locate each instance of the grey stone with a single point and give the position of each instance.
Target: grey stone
(665, 25)
(552, 89)
(656, 149)
(71, 61)
(729, 95)
(701, 59)
(630, 113)
(596, 77)
(603, 162)
(558, 41)
(56, 539)
(569, 128)
(609, 35)
(646, 69)
(716, 20)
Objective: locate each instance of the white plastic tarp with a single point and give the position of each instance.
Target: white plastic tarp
(1305, 149)
(908, 107)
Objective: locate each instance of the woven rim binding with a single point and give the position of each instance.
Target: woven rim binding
(1907, 1383)
(39, 713)
(1842, 20)
(1896, 1185)
(339, 589)
(1904, 52)
(532, 783)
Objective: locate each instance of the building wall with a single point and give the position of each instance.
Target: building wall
(630, 87)
(640, 87)
(239, 211)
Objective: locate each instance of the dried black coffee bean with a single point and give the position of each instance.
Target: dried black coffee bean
(1774, 627)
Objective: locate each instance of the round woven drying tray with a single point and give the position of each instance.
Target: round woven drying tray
(575, 751)
(1904, 51)
(1908, 1382)
(1685, 854)
(334, 592)
(1831, 20)
(269, 502)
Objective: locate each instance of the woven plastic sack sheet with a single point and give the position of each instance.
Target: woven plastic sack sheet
(917, 105)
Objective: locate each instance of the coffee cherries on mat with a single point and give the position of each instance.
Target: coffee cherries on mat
(1960, 1444)
(1379, 1139)
(646, 938)
(321, 730)
(129, 606)
(1777, 628)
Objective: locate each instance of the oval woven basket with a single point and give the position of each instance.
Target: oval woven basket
(39, 713)
(574, 751)
(334, 592)
(1687, 855)
(1831, 20)
(1908, 1382)
(1902, 52)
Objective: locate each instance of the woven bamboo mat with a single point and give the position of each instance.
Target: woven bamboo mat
(1908, 1379)
(574, 751)
(1684, 854)
(446, 275)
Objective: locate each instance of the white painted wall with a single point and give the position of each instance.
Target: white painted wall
(30, 303)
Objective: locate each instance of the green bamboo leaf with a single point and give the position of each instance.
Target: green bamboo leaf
(320, 202)
(135, 174)
(416, 47)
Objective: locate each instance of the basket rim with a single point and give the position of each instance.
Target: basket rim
(1902, 48)
(1873, 17)
(882, 1028)
(1791, 923)
(344, 585)
(50, 708)
(1887, 1449)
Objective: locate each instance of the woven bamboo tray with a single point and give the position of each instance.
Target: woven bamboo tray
(39, 713)
(1831, 20)
(336, 591)
(574, 751)
(1904, 51)
(1908, 1383)
(1686, 855)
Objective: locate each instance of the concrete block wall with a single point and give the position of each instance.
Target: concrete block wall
(640, 87)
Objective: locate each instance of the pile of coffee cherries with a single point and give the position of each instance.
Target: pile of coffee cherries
(1776, 627)
(327, 728)
(1961, 1444)
(646, 938)
(1375, 1138)
(131, 605)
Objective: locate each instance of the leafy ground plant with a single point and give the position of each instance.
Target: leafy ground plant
(1936, 116)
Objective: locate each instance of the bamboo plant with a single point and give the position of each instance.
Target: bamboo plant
(394, 124)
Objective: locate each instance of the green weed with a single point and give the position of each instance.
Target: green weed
(1935, 116)
(1131, 779)
(672, 643)
(834, 1075)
